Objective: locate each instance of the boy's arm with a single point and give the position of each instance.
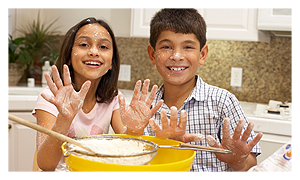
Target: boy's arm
(240, 159)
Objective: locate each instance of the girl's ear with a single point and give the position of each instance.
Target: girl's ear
(203, 54)
(151, 53)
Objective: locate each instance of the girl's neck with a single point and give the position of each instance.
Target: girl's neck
(175, 95)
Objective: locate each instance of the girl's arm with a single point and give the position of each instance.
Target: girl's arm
(68, 102)
(48, 148)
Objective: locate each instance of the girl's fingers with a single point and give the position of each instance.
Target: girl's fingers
(145, 90)
(56, 77)
(136, 91)
(50, 83)
(84, 89)
(122, 103)
(67, 78)
(152, 95)
(156, 107)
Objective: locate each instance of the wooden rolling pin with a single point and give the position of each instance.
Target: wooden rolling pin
(48, 132)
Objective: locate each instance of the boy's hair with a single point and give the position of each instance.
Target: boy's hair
(179, 21)
(107, 88)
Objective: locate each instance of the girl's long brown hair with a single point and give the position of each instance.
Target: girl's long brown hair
(107, 88)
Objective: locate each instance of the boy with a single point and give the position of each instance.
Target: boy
(177, 47)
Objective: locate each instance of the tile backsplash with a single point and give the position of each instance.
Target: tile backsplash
(266, 67)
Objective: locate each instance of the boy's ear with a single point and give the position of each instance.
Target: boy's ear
(151, 53)
(204, 53)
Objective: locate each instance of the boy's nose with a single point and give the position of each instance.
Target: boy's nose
(177, 56)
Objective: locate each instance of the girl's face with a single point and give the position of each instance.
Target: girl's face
(92, 52)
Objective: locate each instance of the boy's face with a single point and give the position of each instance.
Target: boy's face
(177, 56)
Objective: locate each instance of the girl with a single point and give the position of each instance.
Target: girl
(84, 101)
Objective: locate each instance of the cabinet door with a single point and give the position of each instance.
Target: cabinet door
(22, 143)
(140, 22)
(275, 19)
(222, 24)
(232, 24)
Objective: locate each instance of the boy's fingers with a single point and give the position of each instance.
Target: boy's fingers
(182, 120)
(211, 141)
(174, 117)
(154, 126)
(238, 129)
(226, 128)
(164, 119)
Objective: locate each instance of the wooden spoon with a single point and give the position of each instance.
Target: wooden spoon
(48, 132)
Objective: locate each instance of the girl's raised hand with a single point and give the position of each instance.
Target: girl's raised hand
(136, 116)
(67, 101)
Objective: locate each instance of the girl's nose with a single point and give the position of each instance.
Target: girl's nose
(93, 51)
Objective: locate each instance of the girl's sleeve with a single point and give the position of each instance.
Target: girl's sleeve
(44, 105)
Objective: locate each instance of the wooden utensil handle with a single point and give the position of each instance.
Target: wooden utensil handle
(46, 131)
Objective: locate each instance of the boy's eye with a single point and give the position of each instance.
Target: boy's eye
(189, 47)
(166, 47)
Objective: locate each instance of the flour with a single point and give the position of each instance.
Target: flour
(116, 147)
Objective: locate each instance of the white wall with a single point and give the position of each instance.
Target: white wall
(118, 19)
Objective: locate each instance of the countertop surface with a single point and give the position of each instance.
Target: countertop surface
(24, 99)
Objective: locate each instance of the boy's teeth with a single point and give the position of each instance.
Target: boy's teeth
(177, 69)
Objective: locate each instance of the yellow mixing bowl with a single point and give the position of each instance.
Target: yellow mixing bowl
(165, 160)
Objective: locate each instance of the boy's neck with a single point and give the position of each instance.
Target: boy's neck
(175, 95)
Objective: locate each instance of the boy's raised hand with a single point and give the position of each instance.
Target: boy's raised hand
(173, 130)
(136, 116)
(67, 101)
(239, 159)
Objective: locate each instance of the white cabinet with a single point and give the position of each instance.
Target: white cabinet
(222, 24)
(140, 22)
(21, 142)
(275, 19)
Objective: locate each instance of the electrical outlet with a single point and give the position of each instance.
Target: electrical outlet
(125, 72)
(236, 77)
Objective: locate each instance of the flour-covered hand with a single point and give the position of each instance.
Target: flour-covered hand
(136, 116)
(66, 99)
(239, 159)
(173, 130)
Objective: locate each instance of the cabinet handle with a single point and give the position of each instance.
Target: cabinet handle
(9, 126)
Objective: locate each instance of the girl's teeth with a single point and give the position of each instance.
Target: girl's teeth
(92, 63)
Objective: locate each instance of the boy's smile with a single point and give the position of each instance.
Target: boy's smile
(177, 57)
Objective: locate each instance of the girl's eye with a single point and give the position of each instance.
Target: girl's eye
(83, 44)
(103, 47)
